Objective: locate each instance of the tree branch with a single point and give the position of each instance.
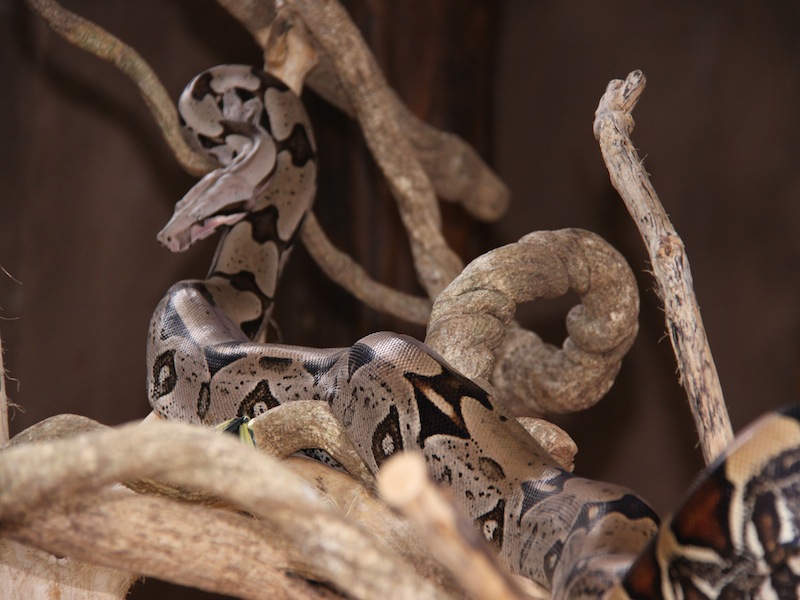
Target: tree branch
(435, 262)
(35, 478)
(471, 325)
(613, 126)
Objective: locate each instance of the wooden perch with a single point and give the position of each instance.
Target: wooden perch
(613, 126)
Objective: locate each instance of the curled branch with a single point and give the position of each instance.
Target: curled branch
(470, 321)
(613, 126)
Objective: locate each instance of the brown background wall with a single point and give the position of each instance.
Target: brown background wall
(87, 182)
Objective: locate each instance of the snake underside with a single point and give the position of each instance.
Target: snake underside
(736, 535)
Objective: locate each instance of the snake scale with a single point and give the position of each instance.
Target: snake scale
(736, 535)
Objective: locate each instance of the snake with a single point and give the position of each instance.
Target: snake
(735, 535)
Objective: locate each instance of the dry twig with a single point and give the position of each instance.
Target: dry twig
(346, 272)
(613, 126)
(3, 400)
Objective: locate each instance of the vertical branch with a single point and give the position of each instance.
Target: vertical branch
(4, 435)
(612, 127)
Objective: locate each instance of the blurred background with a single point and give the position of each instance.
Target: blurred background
(87, 182)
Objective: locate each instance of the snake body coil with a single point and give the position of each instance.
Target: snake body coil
(736, 535)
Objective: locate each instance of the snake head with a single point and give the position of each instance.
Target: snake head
(223, 197)
(219, 199)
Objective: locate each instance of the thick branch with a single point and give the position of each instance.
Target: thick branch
(612, 127)
(34, 477)
(469, 321)
(160, 538)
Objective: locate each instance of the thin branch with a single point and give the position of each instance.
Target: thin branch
(4, 435)
(343, 270)
(435, 262)
(613, 126)
(92, 38)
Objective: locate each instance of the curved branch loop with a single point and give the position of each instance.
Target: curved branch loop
(471, 321)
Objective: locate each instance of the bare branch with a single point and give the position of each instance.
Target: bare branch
(94, 39)
(435, 262)
(36, 477)
(342, 269)
(3, 401)
(613, 126)
(454, 541)
(471, 321)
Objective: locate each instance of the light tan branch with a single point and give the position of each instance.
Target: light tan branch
(435, 262)
(471, 321)
(35, 477)
(3, 400)
(92, 38)
(453, 540)
(613, 126)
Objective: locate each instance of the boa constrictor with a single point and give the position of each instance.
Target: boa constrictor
(735, 536)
